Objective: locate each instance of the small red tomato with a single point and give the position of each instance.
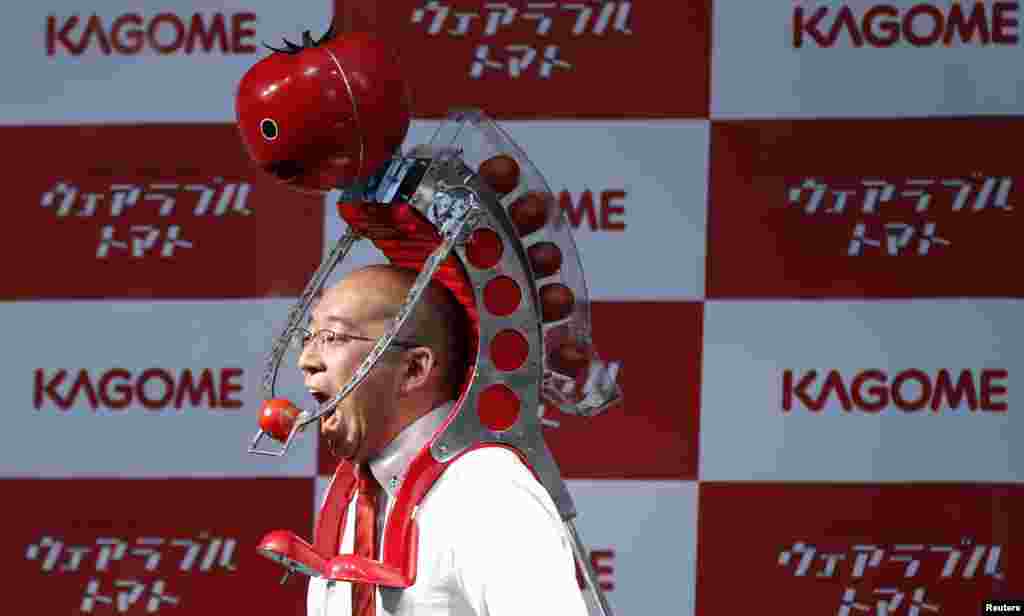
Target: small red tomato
(277, 417)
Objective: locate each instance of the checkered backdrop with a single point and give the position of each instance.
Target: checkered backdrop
(799, 223)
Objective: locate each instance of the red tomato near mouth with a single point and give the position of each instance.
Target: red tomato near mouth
(277, 418)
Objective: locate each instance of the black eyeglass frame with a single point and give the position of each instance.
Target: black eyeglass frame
(307, 335)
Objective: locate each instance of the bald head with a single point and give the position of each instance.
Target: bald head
(373, 295)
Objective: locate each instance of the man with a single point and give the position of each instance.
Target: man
(491, 541)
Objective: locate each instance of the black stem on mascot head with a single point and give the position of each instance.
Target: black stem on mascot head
(308, 42)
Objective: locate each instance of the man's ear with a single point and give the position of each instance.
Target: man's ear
(417, 366)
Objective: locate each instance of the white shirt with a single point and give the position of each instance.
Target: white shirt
(491, 540)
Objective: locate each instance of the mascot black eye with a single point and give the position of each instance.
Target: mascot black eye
(268, 128)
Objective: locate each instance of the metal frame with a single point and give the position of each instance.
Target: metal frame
(448, 174)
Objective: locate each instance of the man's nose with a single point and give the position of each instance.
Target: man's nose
(310, 361)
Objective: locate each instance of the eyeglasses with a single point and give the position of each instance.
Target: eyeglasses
(326, 338)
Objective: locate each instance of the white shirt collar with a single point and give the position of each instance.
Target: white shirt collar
(390, 466)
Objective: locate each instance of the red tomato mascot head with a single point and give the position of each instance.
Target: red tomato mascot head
(325, 114)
